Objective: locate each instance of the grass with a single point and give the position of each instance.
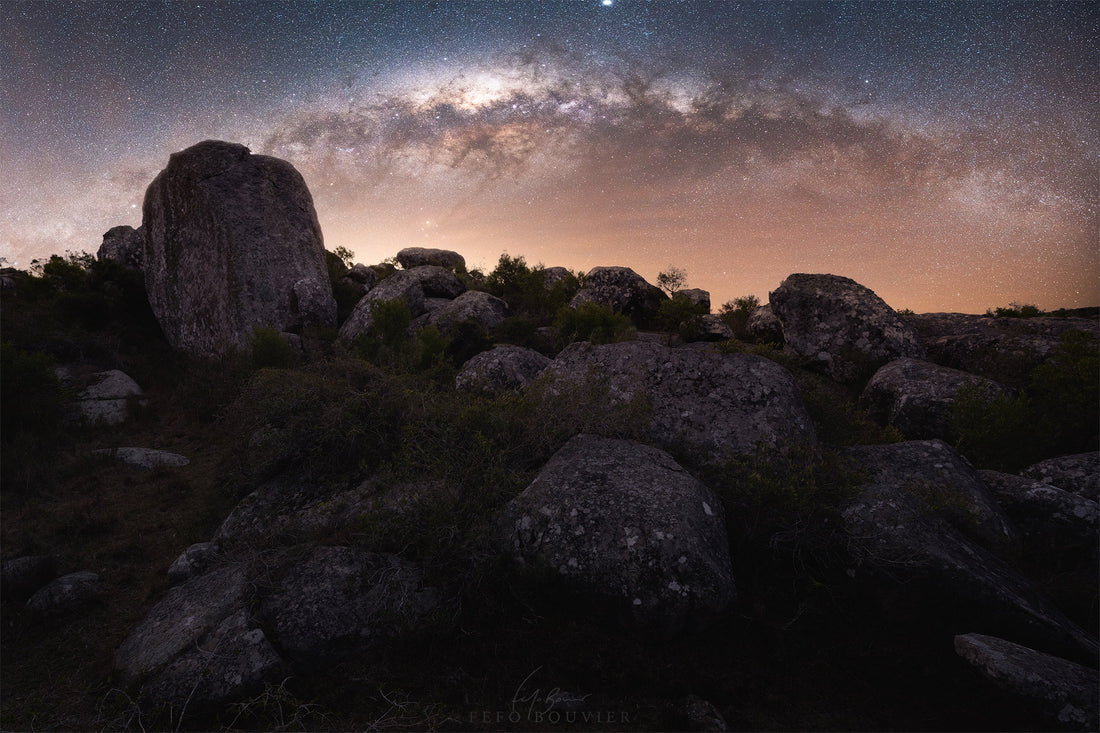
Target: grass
(803, 648)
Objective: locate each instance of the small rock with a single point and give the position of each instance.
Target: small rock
(107, 400)
(764, 326)
(67, 593)
(22, 576)
(697, 297)
(486, 310)
(500, 369)
(701, 715)
(438, 282)
(124, 245)
(402, 285)
(194, 561)
(624, 290)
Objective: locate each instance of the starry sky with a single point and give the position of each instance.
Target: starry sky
(946, 155)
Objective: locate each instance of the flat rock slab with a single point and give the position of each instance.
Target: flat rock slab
(1069, 692)
(624, 521)
(232, 661)
(183, 616)
(146, 459)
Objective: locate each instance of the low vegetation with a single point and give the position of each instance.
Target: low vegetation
(802, 649)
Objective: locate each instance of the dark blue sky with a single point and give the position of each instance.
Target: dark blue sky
(944, 154)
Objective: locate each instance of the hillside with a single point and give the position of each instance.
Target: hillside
(412, 496)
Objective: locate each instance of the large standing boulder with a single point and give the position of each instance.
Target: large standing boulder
(924, 517)
(625, 522)
(712, 406)
(1067, 691)
(411, 257)
(231, 243)
(915, 396)
(624, 290)
(500, 369)
(1077, 474)
(124, 245)
(842, 325)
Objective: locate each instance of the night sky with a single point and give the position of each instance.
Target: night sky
(946, 155)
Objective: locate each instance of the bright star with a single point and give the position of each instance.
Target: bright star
(607, 3)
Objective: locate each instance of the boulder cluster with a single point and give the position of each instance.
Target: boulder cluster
(230, 242)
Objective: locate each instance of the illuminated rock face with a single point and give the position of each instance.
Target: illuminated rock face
(842, 325)
(626, 524)
(232, 242)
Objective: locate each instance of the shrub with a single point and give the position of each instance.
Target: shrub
(31, 399)
(736, 313)
(681, 316)
(525, 291)
(323, 420)
(592, 322)
(271, 349)
(1056, 415)
(1016, 310)
(672, 279)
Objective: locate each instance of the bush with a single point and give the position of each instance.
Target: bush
(271, 349)
(681, 316)
(1058, 413)
(593, 322)
(324, 420)
(1016, 310)
(524, 289)
(736, 313)
(31, 399)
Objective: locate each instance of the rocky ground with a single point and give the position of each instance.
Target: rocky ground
(409, 496)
